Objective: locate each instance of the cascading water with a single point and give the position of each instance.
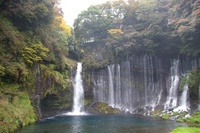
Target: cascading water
(126, 85)
(138, 84)
(78, 97)
(183, 106)
(38, 89)
(122, 86)
(172, 91)
(111, 85)
(153, 89)
(118, 88)
(98, 89)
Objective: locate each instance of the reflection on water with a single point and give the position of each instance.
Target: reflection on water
(102, 124)
(77, 125)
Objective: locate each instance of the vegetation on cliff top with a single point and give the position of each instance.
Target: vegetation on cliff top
(162, 27)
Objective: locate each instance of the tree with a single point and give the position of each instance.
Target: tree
(91, 25)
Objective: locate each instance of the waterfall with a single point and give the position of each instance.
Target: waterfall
(78, 97)
(152, 84)
(111, 85)
(137, 84)
(184, 97)
(98, 88)
(183, 106)
(122, 86)
(118, 88)
(125, 89)
(172, 90)
(145, 79)
(38, 89)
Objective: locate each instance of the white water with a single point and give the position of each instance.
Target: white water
(183, 106)
(78, 97)
(118, 97)
(172, 91)
(184, 97)
(137, 84)
(111, 85)
(121, 87)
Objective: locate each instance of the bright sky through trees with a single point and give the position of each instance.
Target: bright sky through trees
(72, 8)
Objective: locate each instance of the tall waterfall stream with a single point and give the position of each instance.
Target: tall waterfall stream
(78, 96)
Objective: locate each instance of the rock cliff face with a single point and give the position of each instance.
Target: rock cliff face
(141, 84)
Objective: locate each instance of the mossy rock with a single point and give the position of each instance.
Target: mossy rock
(166, 116)
(101, 108)
(54, 104)
(15, 111)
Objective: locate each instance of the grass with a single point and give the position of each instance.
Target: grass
(186, 130)
(195, 118)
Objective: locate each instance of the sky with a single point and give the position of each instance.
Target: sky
(72, 8)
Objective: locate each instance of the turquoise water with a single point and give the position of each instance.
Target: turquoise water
(101, 124)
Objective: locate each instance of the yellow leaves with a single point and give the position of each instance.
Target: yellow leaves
(60, 23)
(115, 33)
(65, 27)
(34, 53)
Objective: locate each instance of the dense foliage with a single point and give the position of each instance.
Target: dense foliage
(33, 36)
(165, 27)
(35, 45)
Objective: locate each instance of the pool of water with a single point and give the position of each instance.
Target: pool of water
(101, 124)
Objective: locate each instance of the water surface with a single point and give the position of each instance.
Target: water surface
(101, 124)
